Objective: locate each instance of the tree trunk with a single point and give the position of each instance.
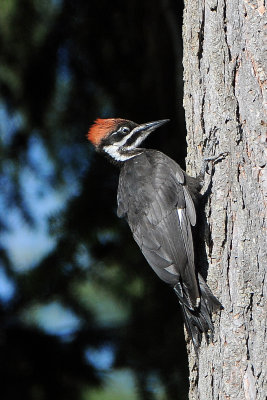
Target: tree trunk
(225, 90)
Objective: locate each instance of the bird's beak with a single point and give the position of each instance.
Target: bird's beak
(149, 127)
(141, 132)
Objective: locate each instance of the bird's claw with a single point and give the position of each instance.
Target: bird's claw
(214, 160)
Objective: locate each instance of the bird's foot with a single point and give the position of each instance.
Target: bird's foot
(213, 160)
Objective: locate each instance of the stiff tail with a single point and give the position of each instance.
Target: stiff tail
(198, 320)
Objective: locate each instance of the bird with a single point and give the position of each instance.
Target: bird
(158, 200)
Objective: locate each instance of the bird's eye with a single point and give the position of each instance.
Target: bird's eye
(125, 129)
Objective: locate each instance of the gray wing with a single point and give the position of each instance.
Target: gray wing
(153, 197)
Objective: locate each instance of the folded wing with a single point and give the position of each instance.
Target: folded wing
(160, 213)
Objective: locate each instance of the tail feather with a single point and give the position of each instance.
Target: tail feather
(198, 320)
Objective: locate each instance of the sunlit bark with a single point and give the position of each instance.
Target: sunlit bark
(225, 85)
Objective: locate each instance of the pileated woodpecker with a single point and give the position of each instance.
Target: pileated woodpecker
(157, 198)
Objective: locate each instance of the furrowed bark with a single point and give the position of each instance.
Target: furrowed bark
(225, 106)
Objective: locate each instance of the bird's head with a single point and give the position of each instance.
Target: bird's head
(119, 138)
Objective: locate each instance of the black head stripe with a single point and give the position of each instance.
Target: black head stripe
(118, 135)
(133, 139)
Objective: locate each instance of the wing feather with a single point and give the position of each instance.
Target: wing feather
(153, 196)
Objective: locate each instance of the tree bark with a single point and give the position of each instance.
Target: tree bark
(224, 100)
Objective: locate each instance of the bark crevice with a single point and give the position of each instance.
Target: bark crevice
(224, 106)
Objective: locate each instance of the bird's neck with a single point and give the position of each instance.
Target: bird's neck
(120, 156)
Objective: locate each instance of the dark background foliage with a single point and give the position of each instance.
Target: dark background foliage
(80, 308)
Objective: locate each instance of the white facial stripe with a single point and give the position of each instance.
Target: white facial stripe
(139, 140)
(114, 152)
(125, 138)
(118, 150)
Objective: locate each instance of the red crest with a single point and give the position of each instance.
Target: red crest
(101, 129)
